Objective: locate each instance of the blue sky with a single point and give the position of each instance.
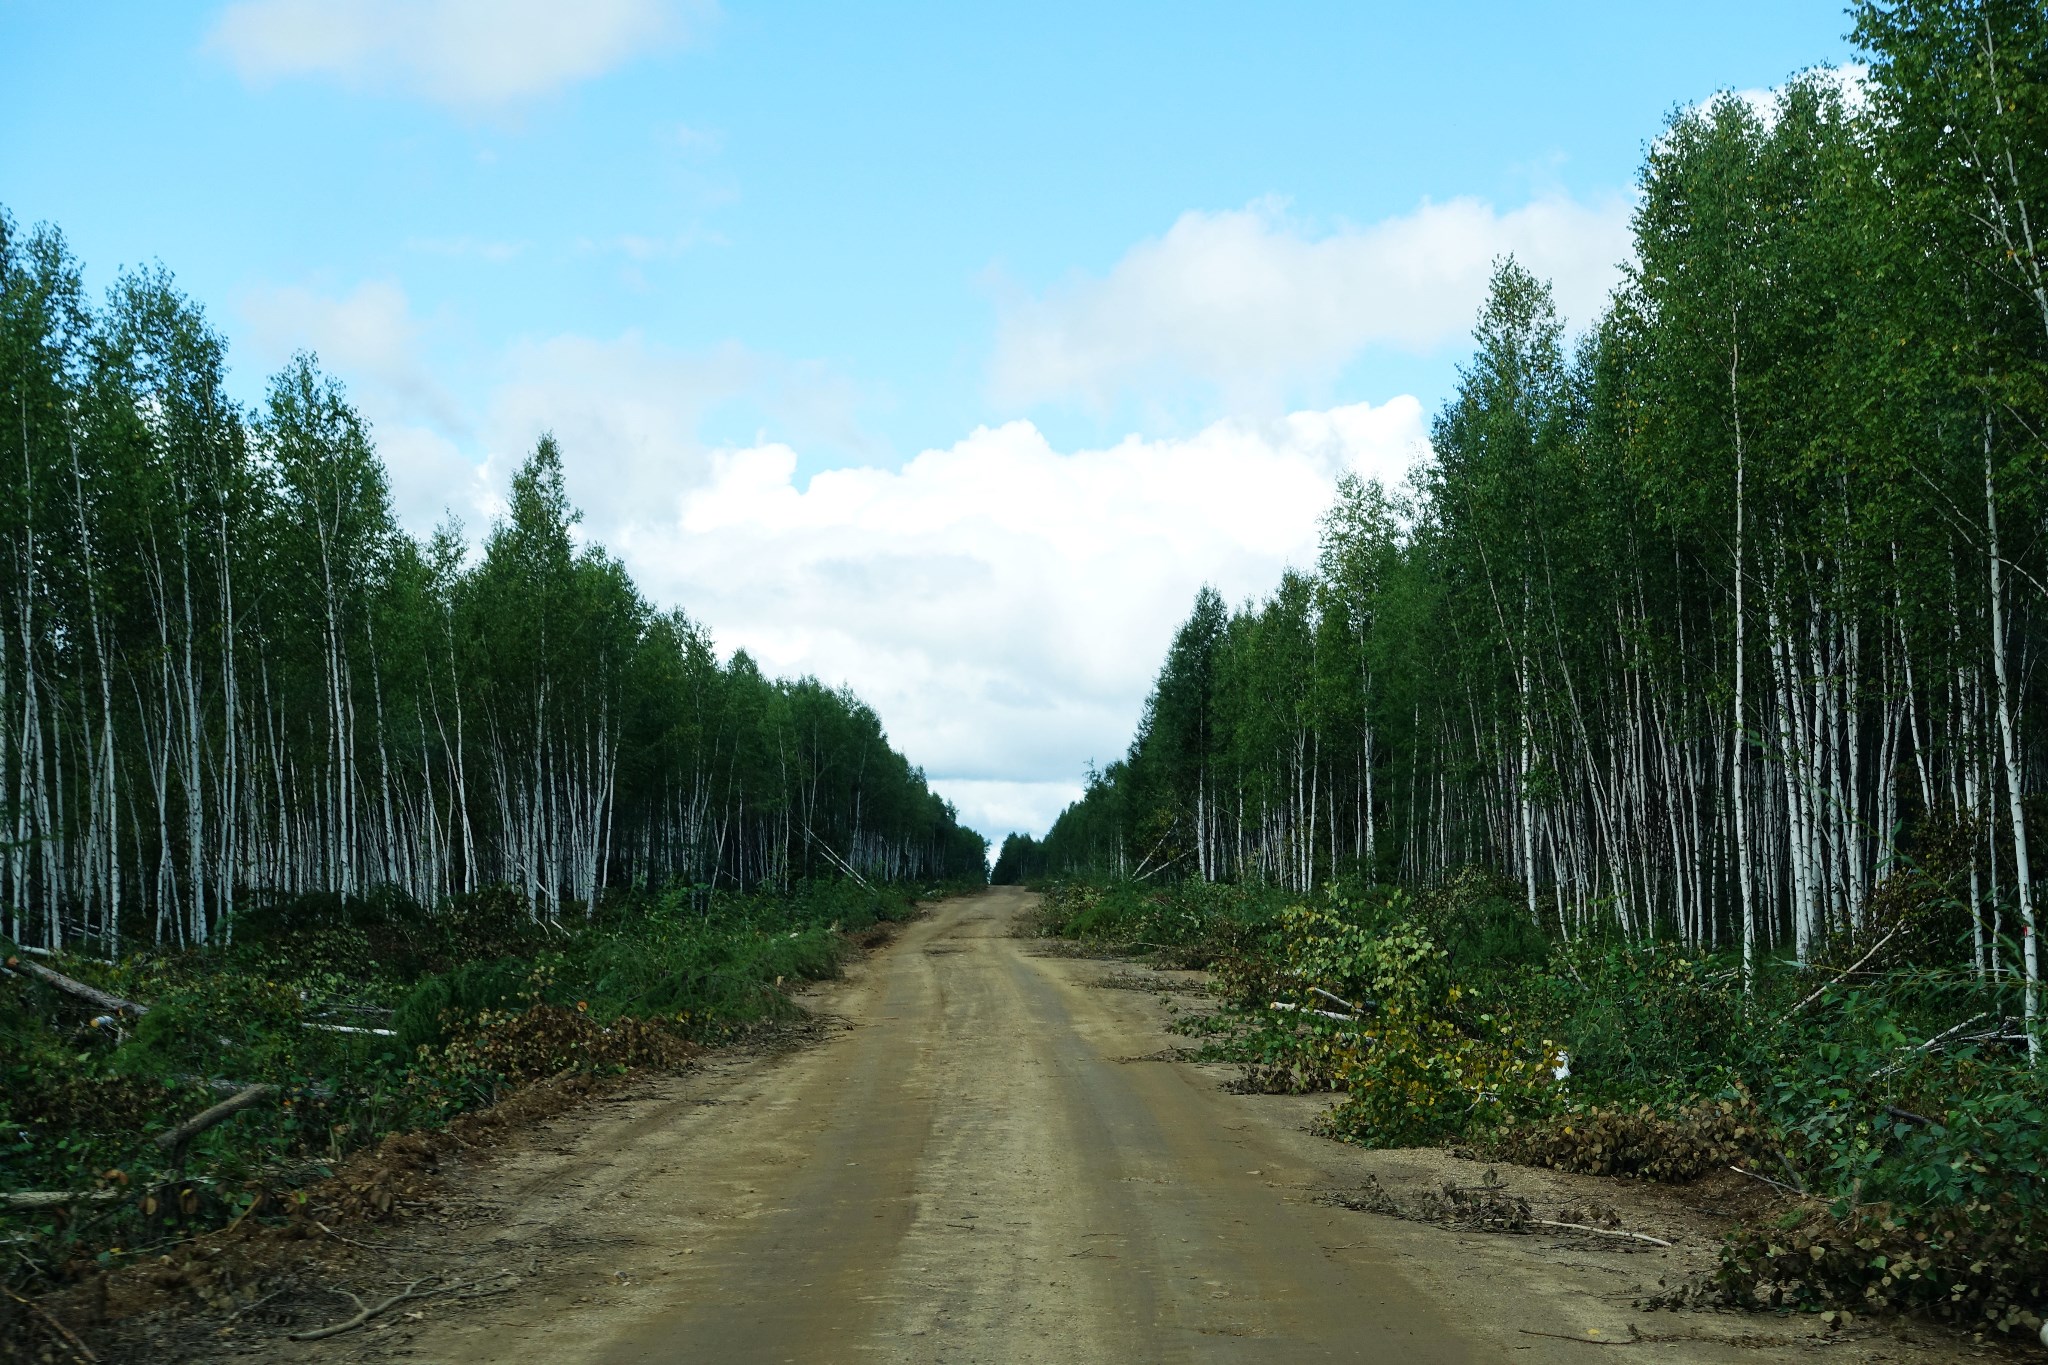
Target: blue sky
(725, 250)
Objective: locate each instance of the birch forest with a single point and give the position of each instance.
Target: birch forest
(228, 679)
(1720, 620)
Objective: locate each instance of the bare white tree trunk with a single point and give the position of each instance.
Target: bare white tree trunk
(1740, 733)
(2008, 742)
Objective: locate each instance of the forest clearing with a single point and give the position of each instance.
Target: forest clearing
(1579, 891)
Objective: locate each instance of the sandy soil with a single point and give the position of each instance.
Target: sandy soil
(989, 1161)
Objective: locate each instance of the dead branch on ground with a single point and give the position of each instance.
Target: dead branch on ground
(90, 994)
(174, 1141)
(1774, 1184)
(57, 1199)
(412, 1291)
(1603, 1232)
(1844, 975)
(70, 1338)
(365, 1312)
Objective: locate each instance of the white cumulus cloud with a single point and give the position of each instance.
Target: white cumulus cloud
(640, 404)
(469, 54)
(1003, 604)
(1251, 305)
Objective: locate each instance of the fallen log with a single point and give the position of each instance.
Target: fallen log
(118, 1006)
(174, 1140)
(91, 994)
(1283, 1006)
(812, 837)
(1364, 1005)
(57, 1199)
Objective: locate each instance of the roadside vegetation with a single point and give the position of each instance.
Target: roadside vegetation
(1677, 722)
(346, 1024)
(1887, 1097)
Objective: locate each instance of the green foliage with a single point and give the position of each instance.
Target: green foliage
(1687, 685)
(1480, 925)
(1668, 637)
(1187, 923)
(1651, 1022)
(438, 1004)
(1432, 1060)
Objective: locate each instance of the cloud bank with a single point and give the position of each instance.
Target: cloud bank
(1251, 305)
(467, 54)
(1000, 602)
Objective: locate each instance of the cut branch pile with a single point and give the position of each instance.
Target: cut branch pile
(1674, 1148)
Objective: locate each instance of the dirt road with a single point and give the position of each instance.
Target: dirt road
(983, 1166)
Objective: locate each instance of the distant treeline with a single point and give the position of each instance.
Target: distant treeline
(1021, 860)
(227, 676)
(1707, 624)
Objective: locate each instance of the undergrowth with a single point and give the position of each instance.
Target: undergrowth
(372, 1016)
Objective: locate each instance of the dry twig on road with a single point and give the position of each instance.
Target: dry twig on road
(410, 1292)
(364, 1313)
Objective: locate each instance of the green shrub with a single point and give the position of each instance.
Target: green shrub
(434, 1008)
